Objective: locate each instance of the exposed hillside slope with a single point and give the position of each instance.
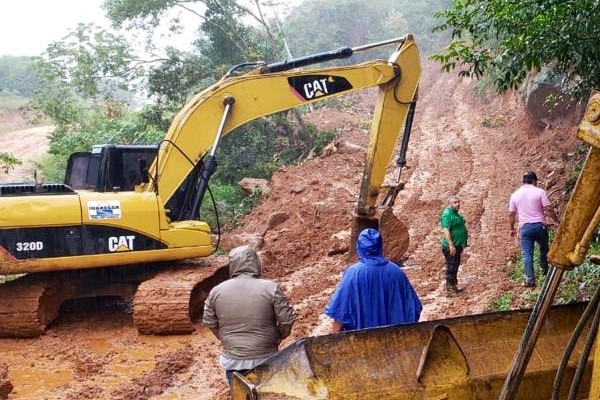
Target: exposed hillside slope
(27, 145)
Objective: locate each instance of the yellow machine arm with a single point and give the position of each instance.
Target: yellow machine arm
(197, 129)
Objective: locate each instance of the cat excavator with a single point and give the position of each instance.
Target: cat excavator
(126, 221)
(539, 354)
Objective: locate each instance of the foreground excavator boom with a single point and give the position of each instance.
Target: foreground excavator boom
(137, 207)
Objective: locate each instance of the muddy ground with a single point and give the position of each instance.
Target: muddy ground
(474, 147)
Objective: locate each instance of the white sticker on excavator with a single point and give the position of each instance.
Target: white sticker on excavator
(121, 243)
(316, 88)
(109, 209)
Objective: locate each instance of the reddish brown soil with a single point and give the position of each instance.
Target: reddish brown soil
(5, 384)
(475, 148)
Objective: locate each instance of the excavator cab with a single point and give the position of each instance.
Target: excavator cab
(110, 167)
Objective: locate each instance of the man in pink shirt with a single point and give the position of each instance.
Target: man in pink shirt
(529, 204)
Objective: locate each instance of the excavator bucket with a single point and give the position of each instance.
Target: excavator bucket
(394, 232)
(453, 359)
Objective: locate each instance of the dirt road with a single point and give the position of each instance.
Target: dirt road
(476, 148)
(27, 145)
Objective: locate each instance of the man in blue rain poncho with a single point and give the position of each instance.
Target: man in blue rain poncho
(374, 291)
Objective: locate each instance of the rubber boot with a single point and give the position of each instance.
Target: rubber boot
(456, 288)
(452, 290)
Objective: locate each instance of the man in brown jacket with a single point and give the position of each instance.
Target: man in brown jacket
(249, 315)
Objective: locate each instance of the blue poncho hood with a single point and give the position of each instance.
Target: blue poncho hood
(369, 247)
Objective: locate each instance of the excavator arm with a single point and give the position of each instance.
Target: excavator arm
(195, 133)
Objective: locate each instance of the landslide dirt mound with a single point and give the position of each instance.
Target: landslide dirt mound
(461, 144)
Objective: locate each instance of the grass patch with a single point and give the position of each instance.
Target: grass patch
(576, 285)
(8, 278)
(502, 303)
(494, 121)
(11, 102)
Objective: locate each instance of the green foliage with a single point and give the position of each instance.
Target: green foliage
(58, 102)
(502, 303)
(102, 130)
(355, 22)
(177, 78)
(321, 139)
(7, 162)
(96, 128)
(17, 76)
(91, 61)
(259, 148)
(577, 284)
(580, 283)
(53, 167)
(232, 203)
(511, 38)
(226, 38)
(146, 13)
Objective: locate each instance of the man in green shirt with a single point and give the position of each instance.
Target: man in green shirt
(454, 240)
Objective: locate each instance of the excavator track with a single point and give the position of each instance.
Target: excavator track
(169, 302)
(28, 305)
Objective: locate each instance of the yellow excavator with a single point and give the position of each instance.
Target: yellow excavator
(127, 217)
(521, 354)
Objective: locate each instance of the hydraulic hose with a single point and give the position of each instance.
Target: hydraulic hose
(587, 313)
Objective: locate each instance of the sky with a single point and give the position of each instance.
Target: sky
(28, 26)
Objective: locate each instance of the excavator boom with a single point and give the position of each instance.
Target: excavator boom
(199, 125)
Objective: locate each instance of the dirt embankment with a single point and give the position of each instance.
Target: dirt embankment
(26, 145)
(475, 148)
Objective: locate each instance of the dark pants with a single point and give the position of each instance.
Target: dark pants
(229, 374)
(452, 263)
(528, 235)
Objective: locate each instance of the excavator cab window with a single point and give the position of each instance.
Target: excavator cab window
(109, 167)
(82, 171)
